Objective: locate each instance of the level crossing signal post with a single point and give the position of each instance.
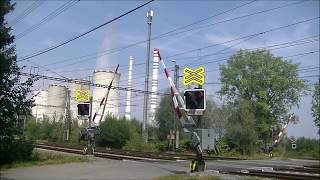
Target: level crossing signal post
(84, 109)
(88, 134)
(186, 120)
(195, 105)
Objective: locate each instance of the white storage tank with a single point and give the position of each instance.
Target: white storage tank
(104, 78)
(57, 95)
(40, 101)
(73, 87)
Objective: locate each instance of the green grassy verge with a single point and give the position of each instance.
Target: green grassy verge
(40, 158)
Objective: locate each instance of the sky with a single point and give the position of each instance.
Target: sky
(215, 28)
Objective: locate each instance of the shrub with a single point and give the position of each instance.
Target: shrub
(222, 146)
(137, 143)
(162, 146)
(113, 134)
(17, 150)
(184, 145)
(306, 148)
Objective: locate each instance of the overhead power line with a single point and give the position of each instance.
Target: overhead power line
(243, 37)
(240, 17)
(159, 36)
(269, 47)
(204, 19)
(308, 39)
(169, 33)
(48, 18)
(79, 81)
(83, 34)
(142, 91)
(26, 12)
(226, 42)
(287, 44)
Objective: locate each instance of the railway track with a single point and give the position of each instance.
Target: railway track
(127, 154)
(294, 173)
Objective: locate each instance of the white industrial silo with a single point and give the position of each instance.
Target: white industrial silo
(103, 77)
(57, 95)
(73, 87)
(40, 102)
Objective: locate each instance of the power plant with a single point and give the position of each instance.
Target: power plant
(52, 103)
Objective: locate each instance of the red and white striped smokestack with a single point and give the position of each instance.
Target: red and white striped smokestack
(154, 86)
(128, 98)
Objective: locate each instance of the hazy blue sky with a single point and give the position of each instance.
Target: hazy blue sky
(169, 15)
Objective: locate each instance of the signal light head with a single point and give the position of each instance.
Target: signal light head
(195, 99)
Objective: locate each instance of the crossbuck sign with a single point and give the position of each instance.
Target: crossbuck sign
(83, 96)
(193, 76)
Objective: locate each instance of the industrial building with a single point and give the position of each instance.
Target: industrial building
(105, 77)
(41, 100)
(57, 96)
(54, 102)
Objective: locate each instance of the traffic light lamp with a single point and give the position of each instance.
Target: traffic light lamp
(195, 99)
(83, 109)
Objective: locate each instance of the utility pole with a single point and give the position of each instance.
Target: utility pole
(146, 83)
(175, 129)
(200, 125)
(66, 117)
(176, 79)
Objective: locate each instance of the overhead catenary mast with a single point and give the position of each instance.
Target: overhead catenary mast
(146, 84)
(128, 98)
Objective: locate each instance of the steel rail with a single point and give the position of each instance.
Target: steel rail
(134, 153)
(302, 173)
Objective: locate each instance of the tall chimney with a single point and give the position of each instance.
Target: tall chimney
(154, 86)
(128, 98)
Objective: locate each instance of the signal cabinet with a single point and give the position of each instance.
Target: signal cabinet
(208, 138)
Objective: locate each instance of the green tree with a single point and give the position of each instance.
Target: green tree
(316, 105)
(271, 84)
(215, 116)
(241, 127)
(114, 133)
(14, 101)
(164, 117)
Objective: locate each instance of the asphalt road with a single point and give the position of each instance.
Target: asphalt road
(99, 169)
(117, 169)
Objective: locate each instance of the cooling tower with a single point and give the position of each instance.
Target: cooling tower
(104, 78)
(40, 101)
(73, 87)
(154, 87)
(128, 98)
(57, 95)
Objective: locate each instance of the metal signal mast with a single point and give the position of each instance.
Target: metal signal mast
(146, 84)
(186, 121)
